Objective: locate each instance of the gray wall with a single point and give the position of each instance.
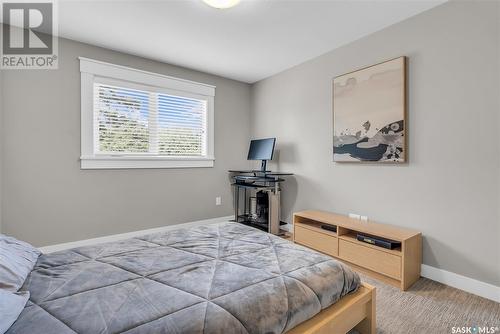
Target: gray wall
(498, 108)
(47, 199)
(1, 140)
(450, 188)
(498, 96)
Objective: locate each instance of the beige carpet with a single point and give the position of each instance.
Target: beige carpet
(430, 307)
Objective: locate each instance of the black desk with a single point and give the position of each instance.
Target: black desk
(256, 180)
(258, 172)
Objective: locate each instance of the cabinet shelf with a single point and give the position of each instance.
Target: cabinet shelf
(399, 266)
(316, 226)
(352, 237)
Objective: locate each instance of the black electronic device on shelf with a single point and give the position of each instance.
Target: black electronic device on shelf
(377, 241)
(331, 228)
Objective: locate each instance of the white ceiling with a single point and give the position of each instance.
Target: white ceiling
(249, 42)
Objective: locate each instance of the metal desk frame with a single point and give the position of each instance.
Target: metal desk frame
(266, 181)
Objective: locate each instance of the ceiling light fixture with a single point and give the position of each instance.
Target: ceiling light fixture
(221, 4)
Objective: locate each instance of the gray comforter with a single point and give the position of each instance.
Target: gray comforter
(223, 278)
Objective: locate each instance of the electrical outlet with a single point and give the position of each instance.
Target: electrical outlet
(218, 200)
(354, 216)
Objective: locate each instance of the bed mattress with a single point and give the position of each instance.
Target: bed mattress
(220, 278)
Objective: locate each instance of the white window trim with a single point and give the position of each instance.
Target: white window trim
(90, 69)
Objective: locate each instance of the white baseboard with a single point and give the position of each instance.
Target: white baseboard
(470, 285)
(122, 236)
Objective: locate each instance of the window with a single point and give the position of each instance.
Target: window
(137, 119)
(130, 121)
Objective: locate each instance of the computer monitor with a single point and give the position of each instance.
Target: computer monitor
(262, 149)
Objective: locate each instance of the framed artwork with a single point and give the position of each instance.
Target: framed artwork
(369, 114)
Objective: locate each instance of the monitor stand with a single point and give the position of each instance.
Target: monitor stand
(263, 167)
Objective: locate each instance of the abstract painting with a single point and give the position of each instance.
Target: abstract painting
(369, 107)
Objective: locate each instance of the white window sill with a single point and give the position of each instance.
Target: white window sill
(131, 162)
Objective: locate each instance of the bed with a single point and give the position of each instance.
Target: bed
(220, 278)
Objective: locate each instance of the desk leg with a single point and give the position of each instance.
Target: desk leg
(274, 212)
(245, 201)
(236, 202)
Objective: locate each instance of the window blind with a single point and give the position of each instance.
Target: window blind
(140, 122)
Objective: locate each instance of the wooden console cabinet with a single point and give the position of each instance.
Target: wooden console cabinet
(399, 267)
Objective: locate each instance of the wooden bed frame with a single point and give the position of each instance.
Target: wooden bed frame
(354, 311)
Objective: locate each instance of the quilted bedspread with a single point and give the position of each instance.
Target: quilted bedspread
(220, 278)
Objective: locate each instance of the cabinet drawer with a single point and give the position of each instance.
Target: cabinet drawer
(316, 240)
(378, 261)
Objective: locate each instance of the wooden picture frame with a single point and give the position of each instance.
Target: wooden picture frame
(369, 114)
